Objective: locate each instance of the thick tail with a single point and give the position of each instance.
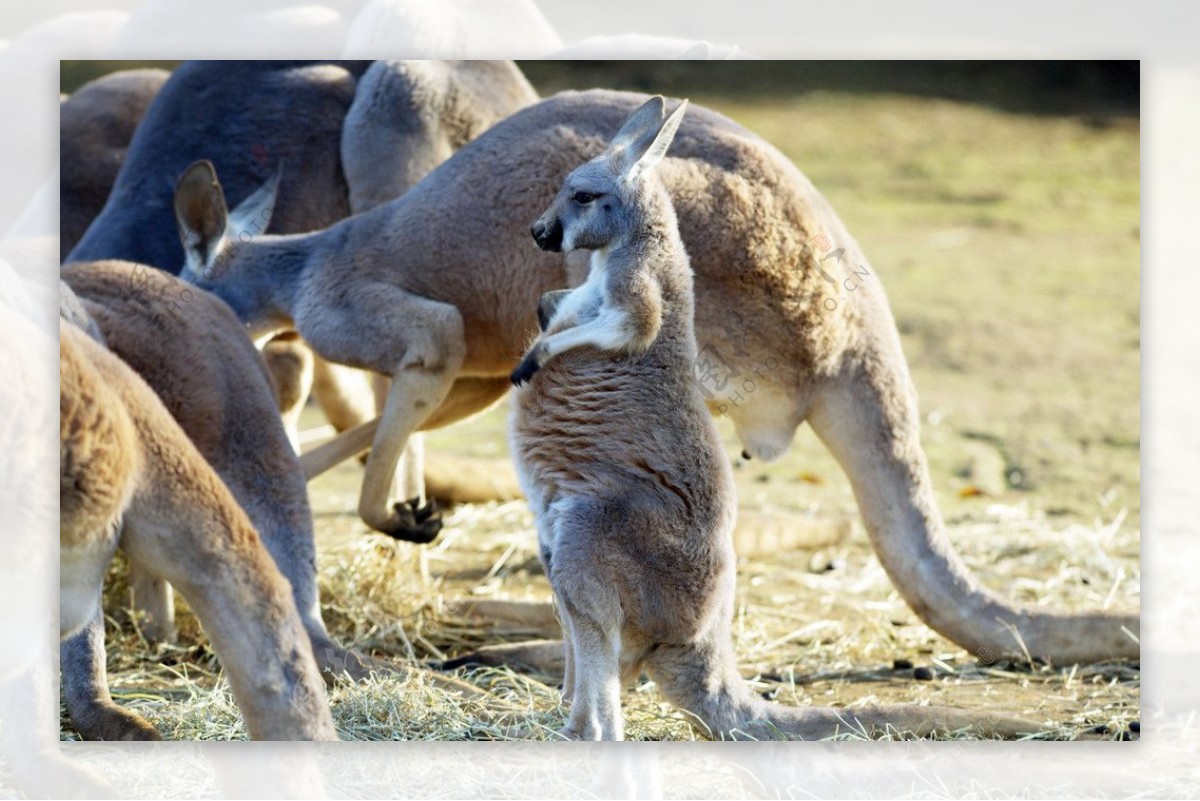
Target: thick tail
(456, 479)
(768, 533)
(332, 452)
(869, 421)
(703, 681)
(902, 721)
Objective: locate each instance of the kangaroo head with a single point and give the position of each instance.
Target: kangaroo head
(597, 204)
(209, 231)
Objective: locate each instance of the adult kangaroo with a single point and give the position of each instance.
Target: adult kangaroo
(189, 348)
(131, 478)
(439, 286)
(343, 136)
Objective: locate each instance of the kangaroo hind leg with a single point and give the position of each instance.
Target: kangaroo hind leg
(93, 712)
(591, 615)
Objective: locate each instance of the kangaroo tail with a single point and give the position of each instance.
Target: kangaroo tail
(702, 679)
(869, 421)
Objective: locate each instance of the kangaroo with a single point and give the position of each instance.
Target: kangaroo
(96, 124)
(350, 135)
(630, 487)
(130, 478)
(438, 288)
(257, 114)
(190, 349)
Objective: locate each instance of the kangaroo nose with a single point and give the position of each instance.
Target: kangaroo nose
(547, 235)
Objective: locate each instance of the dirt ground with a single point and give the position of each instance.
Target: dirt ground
(1009, 246)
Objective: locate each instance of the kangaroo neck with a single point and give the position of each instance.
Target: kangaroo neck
(266, 273)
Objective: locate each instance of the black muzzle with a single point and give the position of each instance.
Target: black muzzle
(548, 237)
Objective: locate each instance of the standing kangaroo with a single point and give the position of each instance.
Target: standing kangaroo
(437, 289)
(131, 478)
(190, 349)
(631, 490)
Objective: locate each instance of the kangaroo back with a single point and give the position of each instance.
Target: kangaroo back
(96, 124)
(252, 113)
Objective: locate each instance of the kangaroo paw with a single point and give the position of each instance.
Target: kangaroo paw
(416, 524)
(525, 370)
(337, 662)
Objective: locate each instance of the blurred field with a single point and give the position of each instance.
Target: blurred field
(1009, 245)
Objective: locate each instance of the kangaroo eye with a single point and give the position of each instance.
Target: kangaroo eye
(584, 198)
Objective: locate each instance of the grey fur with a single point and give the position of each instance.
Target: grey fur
(338, 136)
(96, 124)
(410, 116)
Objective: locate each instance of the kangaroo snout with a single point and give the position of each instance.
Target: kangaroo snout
(548, 235)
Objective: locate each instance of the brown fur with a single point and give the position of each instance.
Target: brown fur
(449, 265)
(190, 349)
(410, 116)
(407, 118)
(130, 477)
(290, 364)
(402, 118)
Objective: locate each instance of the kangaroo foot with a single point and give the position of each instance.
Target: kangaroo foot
(112, 723)
(415, 523)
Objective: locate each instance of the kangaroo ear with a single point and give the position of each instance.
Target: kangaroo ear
(201, 214)
(649, 148)
(648, 117)
(253, 215)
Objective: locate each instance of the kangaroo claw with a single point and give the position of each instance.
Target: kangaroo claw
(525, 369)
(422, 513)
(419, 524)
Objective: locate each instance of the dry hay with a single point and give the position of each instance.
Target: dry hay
(811, 627)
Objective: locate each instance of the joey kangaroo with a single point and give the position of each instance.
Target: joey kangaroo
(130, 478)
(191, 350)
(438, 289)
(631, 490)
(342, 135)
